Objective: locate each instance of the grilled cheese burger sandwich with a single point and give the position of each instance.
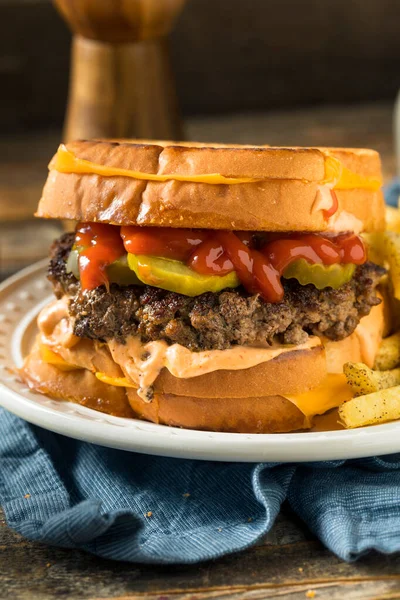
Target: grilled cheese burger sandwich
(210, 286)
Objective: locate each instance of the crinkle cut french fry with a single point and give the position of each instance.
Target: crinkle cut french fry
(364, 380)
(392, 251)
(388, 355)
(371, 409)
(392, 219)
(375, 243)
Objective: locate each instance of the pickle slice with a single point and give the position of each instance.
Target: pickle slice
(175, 276)
(118, 272)
(321, 276)
(72, 265)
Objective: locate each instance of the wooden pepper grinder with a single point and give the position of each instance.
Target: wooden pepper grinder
(121, 84)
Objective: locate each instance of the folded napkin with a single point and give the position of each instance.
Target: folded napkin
(146, 509)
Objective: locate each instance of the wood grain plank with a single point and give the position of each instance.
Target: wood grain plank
(284, 570)
(359, 590)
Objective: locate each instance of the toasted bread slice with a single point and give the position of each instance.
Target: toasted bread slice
(270, 189)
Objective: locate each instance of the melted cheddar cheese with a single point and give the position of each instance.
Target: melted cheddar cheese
(66, 162)
(330, 394)
(352, 181)
(336, 175)
(52, 358)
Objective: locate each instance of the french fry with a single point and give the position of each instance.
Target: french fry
(392, 251)
(371, 409)
(378, 391)
(364, 380)
(392, 219)
(375, 243)
(388, 355)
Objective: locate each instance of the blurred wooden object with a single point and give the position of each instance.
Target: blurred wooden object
(121, 82)
(227, 55)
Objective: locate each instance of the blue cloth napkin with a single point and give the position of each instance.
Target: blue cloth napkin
(391, 192)
(145, 509)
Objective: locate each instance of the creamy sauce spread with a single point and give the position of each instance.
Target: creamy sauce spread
(323, 199)
(345, 221)
(56, 326)
(142, 363)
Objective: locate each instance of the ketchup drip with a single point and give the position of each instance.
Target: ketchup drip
(259, 265)
(210, 257)
(101, 245)
(335, 205)
(160, 241)
(258, 261)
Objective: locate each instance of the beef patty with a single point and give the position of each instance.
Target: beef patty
(213, 320)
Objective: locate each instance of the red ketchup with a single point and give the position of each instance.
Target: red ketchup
(162, 241)
(335, 205)
(260, 271)
(215, 252)
(102, 245)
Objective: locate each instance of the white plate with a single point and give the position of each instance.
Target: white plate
(21, 298)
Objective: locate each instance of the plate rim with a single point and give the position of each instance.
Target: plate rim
(145, 437)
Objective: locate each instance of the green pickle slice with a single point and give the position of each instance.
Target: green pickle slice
(175, 276)
(118, 272)
(72, 263)
(321, 276)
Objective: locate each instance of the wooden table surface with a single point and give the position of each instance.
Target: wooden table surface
(289, 563)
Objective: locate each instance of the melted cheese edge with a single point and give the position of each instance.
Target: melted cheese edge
(330, 394)
(336, 175)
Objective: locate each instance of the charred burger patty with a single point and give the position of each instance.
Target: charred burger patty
(213, 320)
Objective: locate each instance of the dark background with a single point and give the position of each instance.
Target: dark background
(228, 56)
